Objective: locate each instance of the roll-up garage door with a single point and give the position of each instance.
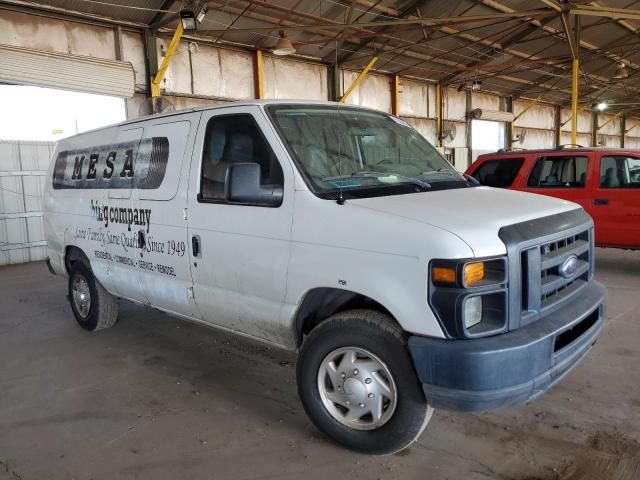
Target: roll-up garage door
(26, 66)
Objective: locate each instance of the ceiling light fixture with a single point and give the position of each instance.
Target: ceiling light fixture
(284, 46)
(202, 13)
(188, 19)
(602, 106)
(621, 72)
(476, 85)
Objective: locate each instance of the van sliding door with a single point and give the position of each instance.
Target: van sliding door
(159, 205)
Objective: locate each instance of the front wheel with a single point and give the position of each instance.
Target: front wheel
(358, 385)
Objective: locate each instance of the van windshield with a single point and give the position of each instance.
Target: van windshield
(351, 152)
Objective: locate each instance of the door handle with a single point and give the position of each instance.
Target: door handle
(601, 201)
(195, 245)
(141, 239)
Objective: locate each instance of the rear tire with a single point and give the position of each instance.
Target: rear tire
(93, 307)
(358, 385)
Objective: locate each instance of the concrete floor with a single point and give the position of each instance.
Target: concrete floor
(158, 398)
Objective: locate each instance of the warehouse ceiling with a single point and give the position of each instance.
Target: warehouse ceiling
(519, 48)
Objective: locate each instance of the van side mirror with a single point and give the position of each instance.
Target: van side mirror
(242, 185)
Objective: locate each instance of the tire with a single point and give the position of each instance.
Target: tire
(370, 334)
(97, 312)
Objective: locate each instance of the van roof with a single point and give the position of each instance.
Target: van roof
(243, 103)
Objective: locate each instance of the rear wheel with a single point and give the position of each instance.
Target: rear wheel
(357, 383)
(93, 307)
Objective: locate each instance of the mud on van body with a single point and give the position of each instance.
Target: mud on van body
(338, 232)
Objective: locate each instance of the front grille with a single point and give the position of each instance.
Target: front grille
(553, 286)
(544, 287)
(535, 251)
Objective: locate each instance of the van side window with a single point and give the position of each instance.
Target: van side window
(559, 172)
(235, 139)
(498, 173)
(620, 172)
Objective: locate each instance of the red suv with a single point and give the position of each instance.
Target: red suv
(604, 181)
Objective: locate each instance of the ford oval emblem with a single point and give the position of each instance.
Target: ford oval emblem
(569, 267)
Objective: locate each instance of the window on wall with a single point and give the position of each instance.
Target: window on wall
(620, 172)
(559, 172)
(498, 173)
(486, 137)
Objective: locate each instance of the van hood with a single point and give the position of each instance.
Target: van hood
(475, 215)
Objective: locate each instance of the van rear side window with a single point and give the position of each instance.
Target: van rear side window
(498, 173)
(559, 172)
(114, 166)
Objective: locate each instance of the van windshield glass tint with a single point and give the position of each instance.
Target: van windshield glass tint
(356, 153)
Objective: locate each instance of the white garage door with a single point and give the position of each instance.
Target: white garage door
(26, 66)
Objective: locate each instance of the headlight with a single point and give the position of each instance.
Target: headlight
(472, 274)
(472, 313)
(469, 274)
(469, 296)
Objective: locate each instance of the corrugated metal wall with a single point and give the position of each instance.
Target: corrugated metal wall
(23, 168)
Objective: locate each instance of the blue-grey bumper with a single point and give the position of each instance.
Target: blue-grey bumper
(512, 368)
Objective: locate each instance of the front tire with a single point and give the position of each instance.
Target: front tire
(358, 385)
(93, 307)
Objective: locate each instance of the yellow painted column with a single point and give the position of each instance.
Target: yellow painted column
(258, 75)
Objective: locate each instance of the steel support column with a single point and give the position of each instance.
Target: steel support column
(508, 131)
(439, 114)
(574, 100)
(395, 95)
(557, 130)
(333, 79)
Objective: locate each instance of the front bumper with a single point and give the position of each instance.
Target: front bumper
(512, 368)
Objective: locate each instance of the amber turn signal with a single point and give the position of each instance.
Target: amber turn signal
(444, 275)
(472, 273)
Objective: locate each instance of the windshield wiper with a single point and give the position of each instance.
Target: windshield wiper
(452, 173)
(373, 174)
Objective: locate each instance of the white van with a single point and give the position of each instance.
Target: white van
(338, 232)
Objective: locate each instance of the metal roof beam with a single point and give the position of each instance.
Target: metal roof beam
(503, 46)
(384, 23)
(415, 4)
(499, 7)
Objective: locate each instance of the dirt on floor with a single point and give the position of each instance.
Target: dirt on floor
(155, 398)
